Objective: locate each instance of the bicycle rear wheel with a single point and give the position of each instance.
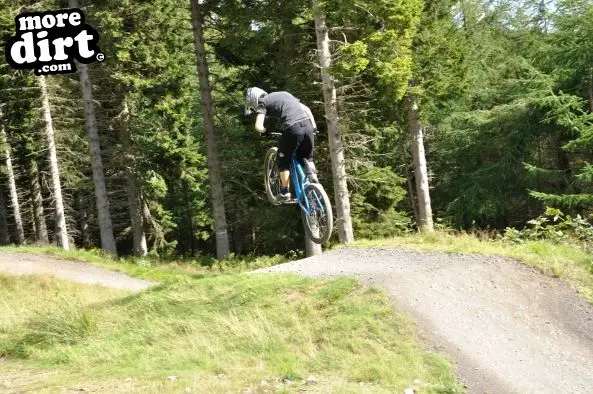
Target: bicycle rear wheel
(319, 220)
(272, 176)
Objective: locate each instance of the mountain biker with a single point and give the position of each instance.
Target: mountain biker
(298, 128)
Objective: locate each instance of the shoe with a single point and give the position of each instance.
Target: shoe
(284, 194)
(311, 171)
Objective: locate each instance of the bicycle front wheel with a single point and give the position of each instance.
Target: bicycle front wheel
(272, 176)
(319, 220)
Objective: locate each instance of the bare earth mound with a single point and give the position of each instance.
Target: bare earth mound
(27, 264)
(509, 329)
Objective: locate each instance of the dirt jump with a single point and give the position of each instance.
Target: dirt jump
(507, 328)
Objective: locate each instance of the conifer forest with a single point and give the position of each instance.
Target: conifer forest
(460, 114)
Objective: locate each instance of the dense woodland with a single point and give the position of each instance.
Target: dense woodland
(501, 91)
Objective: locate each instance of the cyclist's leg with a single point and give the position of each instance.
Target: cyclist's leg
(286, 148)
(306, 149)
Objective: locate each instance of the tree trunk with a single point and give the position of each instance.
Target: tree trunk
(37, 201)
(134, 195)
(135, 202)
(14, 198)
(83, 221)
(190, 220)
(222, 239)
(102, 199)
(311, 248)
(237, 235)
(61, 230)
(103, 211)
(412, 195)
(591, 89)
(4, 238)
(338, 162)
(422, 190)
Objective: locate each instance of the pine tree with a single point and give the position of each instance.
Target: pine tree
(14, 198)
(222, 240)
(342, 197)
(422, 189)
(4, 236)
(41, 235)
(134, 196)
(60, 217)
(104, 214)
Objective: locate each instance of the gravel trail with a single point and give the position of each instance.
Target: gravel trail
(30, 264)
(508, 328)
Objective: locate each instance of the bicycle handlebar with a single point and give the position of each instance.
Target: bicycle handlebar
(270, 135)
(278, 135)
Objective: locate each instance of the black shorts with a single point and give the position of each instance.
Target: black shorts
(297, 138)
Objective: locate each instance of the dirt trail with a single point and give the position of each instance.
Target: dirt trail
(29, 264)
(509, 329)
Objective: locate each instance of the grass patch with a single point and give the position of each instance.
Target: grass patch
(23, 297)
(46, 311)
(219, 333)
(565, 261)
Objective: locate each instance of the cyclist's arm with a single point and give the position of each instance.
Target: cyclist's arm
(310, 115)
(259, 123)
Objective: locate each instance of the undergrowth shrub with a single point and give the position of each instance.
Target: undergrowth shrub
(554, 226)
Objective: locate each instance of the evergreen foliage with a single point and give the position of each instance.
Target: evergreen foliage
(505, 92)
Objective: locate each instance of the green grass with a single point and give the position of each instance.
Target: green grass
(215, 333)
(561, 261)
(25, 297)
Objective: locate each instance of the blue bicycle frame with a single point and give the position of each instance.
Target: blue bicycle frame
(300, 182)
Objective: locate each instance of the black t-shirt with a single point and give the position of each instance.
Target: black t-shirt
(283, 106)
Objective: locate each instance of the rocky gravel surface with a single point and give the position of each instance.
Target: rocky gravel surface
(508, 328)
